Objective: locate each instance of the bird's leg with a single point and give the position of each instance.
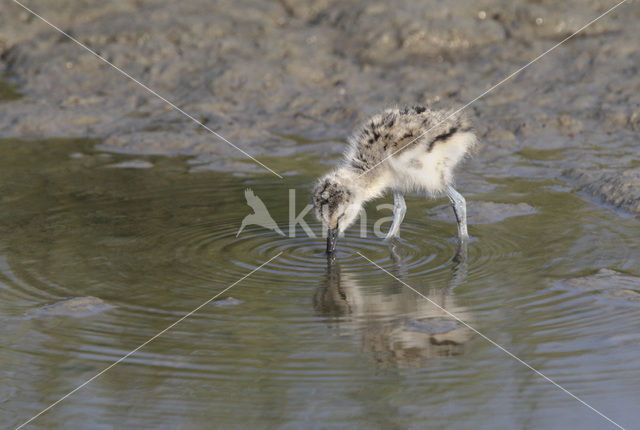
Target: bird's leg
(399, 209)
(459, 205)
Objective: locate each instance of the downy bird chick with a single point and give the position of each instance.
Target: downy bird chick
(402, 150)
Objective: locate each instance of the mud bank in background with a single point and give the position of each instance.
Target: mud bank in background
(262, 72)
(620, 189)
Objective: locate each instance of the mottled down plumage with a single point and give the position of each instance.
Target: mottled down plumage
(399, 149)
(390, 131)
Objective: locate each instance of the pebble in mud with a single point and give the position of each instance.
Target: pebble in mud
(132, 164)
(74, 307)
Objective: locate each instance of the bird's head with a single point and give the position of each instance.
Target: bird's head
(336, 206)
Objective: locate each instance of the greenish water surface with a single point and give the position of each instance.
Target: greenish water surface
(300, 343)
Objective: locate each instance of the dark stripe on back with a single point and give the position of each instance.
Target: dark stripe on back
(443, 136)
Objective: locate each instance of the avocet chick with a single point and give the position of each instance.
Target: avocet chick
(403, 150)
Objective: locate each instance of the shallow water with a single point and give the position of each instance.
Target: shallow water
(139, 242)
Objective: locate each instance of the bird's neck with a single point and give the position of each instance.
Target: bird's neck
(368, 186)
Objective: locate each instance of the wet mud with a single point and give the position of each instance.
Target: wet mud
(287, 77)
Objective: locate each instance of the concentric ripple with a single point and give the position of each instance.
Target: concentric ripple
(305, 256)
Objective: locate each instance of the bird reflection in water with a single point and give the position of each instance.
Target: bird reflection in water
(393, 323)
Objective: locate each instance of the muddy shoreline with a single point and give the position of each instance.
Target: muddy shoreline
(263, 73)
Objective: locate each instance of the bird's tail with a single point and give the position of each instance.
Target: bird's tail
(277, 229)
